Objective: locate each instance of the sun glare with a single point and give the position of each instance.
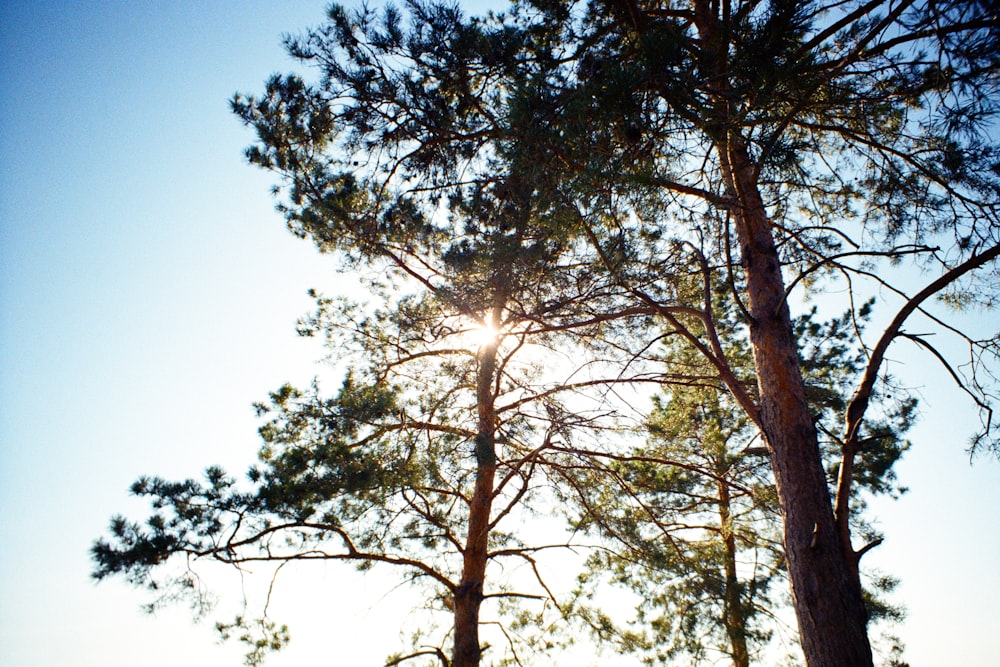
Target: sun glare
(481, 335)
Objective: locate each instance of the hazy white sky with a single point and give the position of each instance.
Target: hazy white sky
(148, 295)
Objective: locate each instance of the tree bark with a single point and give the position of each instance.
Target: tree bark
(827, 596)
(825, 592)
(468, 596)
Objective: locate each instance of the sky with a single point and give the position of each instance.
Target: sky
(148, 296)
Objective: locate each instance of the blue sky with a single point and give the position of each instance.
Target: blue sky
(148, 295)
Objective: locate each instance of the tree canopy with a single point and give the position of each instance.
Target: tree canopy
(621, 195)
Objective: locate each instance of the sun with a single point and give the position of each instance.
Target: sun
(481, 335)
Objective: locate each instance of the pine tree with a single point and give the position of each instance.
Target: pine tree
(803, 142)
(691, 516)
(595, 160)
(424, 459)
(431, 445)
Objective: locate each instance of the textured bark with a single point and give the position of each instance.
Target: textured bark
(825, 589)
(468, 596)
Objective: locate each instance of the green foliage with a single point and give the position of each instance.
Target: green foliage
(580, 176)
(260, 635)
(390, 469)
(381, 473)
(691, 516)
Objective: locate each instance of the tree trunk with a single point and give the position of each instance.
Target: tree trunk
(827, 598)
(469, 595)
(735, 618)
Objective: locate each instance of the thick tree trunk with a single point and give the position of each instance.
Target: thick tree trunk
(469, 595)
(825, 590)
(827, 596)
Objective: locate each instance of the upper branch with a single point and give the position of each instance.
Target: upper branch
(859, 402)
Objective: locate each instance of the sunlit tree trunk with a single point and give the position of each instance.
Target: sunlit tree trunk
(469, 595)
(827, 594)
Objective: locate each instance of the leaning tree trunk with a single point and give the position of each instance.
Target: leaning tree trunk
(827, 597)
(469, 595)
